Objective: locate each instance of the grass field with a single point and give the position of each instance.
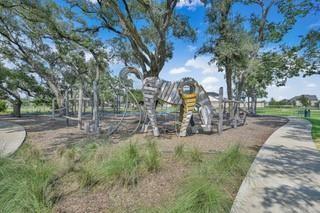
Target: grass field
(314, 119)
(30, 109)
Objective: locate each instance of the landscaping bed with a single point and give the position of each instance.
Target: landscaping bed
(139, 174)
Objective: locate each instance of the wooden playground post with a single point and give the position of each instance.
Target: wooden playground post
(231, 111)
(235, 114)
(221, 108)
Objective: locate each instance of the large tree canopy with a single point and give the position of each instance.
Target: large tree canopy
(16, 84)
(36, 34)
(235, 47)
(143, 28)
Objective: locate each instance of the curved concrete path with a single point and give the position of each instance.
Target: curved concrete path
(11, 137)
(285, 176)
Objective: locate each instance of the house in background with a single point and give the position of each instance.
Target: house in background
(312, 98)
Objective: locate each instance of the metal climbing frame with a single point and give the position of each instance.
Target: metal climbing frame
(155, 89)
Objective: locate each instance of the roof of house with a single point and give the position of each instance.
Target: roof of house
(310, 97)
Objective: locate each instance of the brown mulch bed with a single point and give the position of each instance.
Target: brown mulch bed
(251, 136)
(153, 188)
(150, 191)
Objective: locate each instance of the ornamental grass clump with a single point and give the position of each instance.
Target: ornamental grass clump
(25, 183)
(210, 186)
(152, 157)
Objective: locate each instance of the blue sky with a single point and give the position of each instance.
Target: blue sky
(183, 63)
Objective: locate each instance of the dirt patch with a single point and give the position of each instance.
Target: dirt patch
(49, 135)
(250, 136)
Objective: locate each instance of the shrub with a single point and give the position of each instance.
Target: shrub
(152, 157)
(179, 151)
(3, 106)
(24, 184)
(199, 194)
(124, 166)
(210, 186)
(87, 177)
(232, 161)
(195, 155)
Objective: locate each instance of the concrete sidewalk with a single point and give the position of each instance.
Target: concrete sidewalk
(285, 176)
(11, 137)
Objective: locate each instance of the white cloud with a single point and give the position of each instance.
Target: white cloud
(191, 5)
(210, 83)
(311, 85)
(201, 63)
(179, 70)
(191, 48)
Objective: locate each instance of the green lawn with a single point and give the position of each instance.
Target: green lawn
(29, 109)
(314, 119)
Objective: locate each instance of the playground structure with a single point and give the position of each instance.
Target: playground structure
(190, 97)
(181, 107)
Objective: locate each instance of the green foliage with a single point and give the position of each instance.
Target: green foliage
(230, 163)
(236, 48)
(3, 106)
(14, 82)
(304, 101)
(125, 165)
(310, 46)
(137, 94)
(210, 186)
(273, 102)
(199, 194)
(278, 111)
(195, 155)
(315, 120)
(87, 176)
(146, 45)
(152, 157)
(25, 183)
(179, 151)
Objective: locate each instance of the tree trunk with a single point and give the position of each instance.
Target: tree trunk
(240, 85)
(95, 116)
(67, 105)
(255, 105)
(17, 108)
(53, 108)
(229, 81)
(57, 93)
(229, 89)
(80, 105)
(220, 122)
